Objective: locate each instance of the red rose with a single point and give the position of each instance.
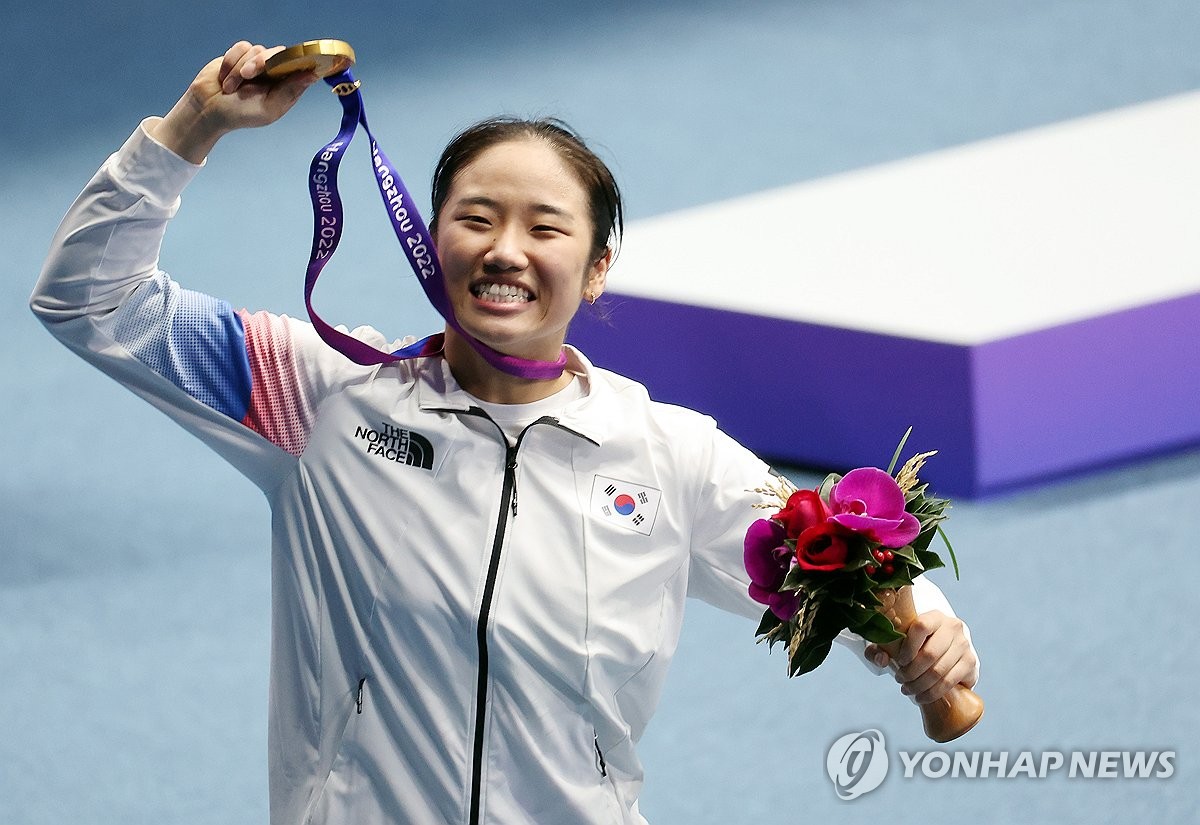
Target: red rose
(822, 547)
(804, 509)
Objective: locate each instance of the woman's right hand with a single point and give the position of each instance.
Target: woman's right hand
(230, 93)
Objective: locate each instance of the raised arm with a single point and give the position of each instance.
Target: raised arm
(109, 240)
(227, 376)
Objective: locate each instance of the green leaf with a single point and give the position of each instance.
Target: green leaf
(911, 569)
(878, 629)
(922, 541)
(899, 447)
(809, 656)
(860, 554)
(796, 578)
(856, 614)
(950, 548)
(901, 578)
(843, 587)
(827, 485)
(869, 599)
(930, 560)
(769, 622)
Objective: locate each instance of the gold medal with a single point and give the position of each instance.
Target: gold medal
(323, 57)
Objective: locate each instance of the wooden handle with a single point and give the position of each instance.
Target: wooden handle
(956, 712)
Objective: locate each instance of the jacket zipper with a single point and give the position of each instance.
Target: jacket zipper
(508, 501)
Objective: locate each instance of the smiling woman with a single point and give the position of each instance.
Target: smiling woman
(439, 653)
(515, 237)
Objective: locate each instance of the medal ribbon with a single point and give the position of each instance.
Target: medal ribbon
(410, 231)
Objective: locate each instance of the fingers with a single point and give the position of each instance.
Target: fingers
(245, 96)
(288, 90)
(918, 635)
(877, 655)
(242, 62)
(934, 656)
(230, 60)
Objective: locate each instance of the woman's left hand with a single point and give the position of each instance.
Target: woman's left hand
(934, 656)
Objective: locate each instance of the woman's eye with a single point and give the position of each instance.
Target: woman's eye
(478, 220)
(546, 228)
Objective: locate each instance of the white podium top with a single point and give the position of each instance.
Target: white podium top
(965, 245)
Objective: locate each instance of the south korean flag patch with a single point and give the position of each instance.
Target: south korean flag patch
(628, 505)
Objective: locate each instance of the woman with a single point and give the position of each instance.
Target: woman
(466, 625)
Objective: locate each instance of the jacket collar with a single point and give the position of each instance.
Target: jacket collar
(438, 391)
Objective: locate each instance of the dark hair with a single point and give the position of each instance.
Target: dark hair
(604, 198)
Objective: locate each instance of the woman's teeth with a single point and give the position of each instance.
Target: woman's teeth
(501, 293)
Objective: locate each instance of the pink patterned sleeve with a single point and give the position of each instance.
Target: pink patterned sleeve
(282, 397)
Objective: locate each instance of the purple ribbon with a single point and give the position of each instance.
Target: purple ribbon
(410, 231)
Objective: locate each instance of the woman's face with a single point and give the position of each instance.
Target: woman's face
(514, 238)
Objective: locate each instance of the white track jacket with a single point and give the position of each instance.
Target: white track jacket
(463, 631)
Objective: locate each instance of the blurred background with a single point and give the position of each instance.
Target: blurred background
(133, 563)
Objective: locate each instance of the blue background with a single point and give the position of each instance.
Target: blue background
(133, 564)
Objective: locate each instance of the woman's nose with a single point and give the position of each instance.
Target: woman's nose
(506, 252)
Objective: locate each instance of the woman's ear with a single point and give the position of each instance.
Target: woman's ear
(597, 276)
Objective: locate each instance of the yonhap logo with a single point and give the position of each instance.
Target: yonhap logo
(857, 763)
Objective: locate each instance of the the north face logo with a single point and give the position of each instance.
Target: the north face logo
(397, 444)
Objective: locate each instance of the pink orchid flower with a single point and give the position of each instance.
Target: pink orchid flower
(870, 502)
(768, 559)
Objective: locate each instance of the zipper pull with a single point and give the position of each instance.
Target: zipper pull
(512, 468)
(358, 702)
(600, 763)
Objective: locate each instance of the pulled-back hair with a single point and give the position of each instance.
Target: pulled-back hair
(604, 198)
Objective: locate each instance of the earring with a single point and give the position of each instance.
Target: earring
(590, 297)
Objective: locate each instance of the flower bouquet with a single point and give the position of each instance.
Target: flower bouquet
(842, 557)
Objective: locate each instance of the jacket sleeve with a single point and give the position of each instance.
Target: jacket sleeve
(725, 509)
(247, 385)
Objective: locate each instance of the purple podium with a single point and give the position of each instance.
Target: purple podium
(1030, 304)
